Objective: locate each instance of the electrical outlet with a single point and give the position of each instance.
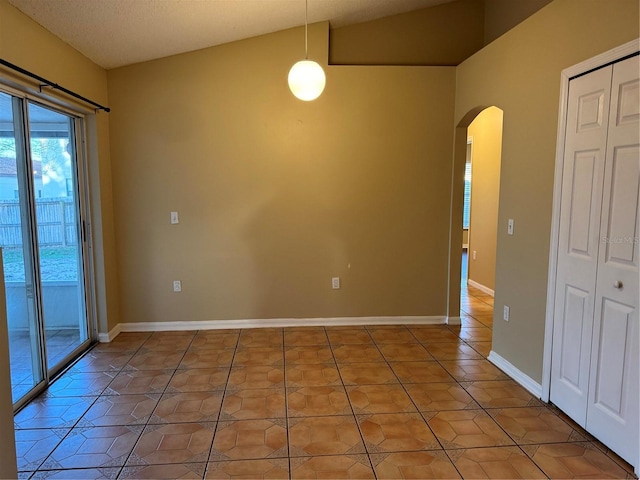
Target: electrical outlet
(177, 286)
(174, 218)
(505, 313)
(473, 255)
(335, 283)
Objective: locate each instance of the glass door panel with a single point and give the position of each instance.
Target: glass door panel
(25, 345)
(54, 183)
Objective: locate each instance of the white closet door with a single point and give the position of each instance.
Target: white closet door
(582, 180)
(612, 413)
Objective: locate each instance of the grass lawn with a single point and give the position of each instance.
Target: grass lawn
(56, 264)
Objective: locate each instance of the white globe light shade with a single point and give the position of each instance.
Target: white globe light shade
(307, 80)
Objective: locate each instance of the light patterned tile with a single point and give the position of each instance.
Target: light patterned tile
(94, 447)
(349, 337)
(262, 376)
(52, 412)
(574, 460)
(312, 375)
(433, 397)
(33, 446)
(405, 352)
(534, 425)
(396, 432)
(434, 334)
(500, 394)
(494, 462)
(250, 439)
(261, 337)
(77, 384)
(467, 429)
(110, 410)
(379, 399)
(367, 374)
(336, 435)
(473, 370)
(248, 356)
(173, 444)
(414, 465)
(357, 353)
(132, 382)
(97, 361)
(420, 372)
(217, 341)
(165, 472)
(391, 335)
(187, 407)
(332, 467)
(315, 401)
(263, 469)
(479, 334)
(308, 354)
(206, 358)
(254, 403)
(75, 474)
(199, 380)
(150, 360)
(452, 351)
(298, 338)
(483, 348)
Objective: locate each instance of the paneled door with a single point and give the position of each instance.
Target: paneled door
(612, 413)
(594, 371)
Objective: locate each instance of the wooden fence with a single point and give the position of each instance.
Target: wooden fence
(56, 219)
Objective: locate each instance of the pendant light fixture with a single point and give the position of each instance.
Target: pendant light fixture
(306, 77)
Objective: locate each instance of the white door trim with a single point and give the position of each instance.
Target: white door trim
(596, 62)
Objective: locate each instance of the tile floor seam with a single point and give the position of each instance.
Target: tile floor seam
(353, 413)
(224, 395)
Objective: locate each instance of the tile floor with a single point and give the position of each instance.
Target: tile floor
(334, 402)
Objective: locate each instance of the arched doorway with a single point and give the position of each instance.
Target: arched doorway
(482, 127)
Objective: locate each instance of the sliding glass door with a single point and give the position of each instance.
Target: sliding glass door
(42, 242)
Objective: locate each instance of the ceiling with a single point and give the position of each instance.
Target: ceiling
(114, 33)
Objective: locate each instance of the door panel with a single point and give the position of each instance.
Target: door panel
(613, 414)
(578, 245)
(58, 233)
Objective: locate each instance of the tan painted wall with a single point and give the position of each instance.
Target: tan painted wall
(275, 195)
(26, 44)
(502, 15)
(520, 73)
(442, 35)
(486, 131)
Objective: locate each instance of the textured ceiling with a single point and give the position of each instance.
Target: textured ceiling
(114, 33)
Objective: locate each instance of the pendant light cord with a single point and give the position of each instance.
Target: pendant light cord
(306, 42)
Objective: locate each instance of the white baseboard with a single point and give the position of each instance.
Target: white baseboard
(454, 321)
(479, 286)
(272, 322)
(107, 337)
(522, 378)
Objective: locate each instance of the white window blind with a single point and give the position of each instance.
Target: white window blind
(467, 195)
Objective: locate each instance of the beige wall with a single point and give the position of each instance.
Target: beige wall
(275, 195)
(486, 131)
(442, 35)
(520, 73)
(502, 15)
(26, 44)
